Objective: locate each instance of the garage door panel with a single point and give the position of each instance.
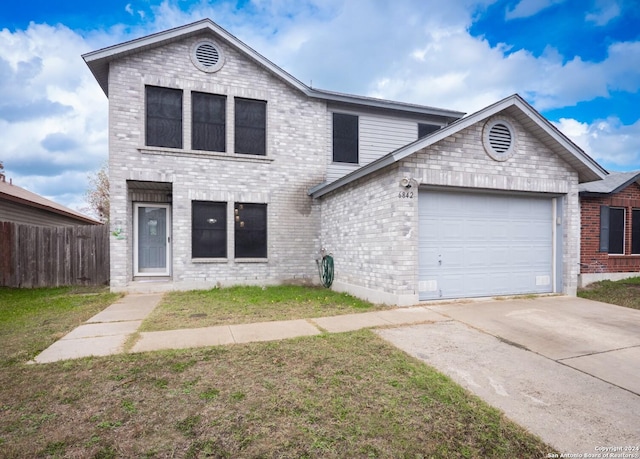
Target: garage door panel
(483, 244)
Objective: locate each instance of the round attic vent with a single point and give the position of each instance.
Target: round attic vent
(207, 56)
(499, 139)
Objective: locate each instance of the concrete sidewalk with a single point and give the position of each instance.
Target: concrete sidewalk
(107, 332)
(103, 334)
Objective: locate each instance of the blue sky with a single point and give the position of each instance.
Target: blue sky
(575, 61)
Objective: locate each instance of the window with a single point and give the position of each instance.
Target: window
(345, 138)
(635, 231)
(208, 229)
(208, 122)
(250, 230)
(251, 126)
(426, 129)
(612, 230)
(164, 117)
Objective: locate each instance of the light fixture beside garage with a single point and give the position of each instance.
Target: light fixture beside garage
(499, 139)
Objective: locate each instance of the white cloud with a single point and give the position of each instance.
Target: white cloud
(608, 141)
(53, 115)
(58, 121)
(129, 9)
(606, 10)
(528, 8)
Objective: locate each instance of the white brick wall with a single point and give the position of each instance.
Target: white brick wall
(372, 233)
(296, 160)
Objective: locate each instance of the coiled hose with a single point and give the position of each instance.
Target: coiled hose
(325, 269)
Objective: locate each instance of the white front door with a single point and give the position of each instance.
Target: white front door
(152, 239)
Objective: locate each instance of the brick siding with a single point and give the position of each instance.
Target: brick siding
(296, 160)
(373, 234)
(591, 259)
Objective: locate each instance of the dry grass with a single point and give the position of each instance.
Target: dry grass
(32, 319)
(624, 292)
(328, 396)
(240, 305)
(331, 396)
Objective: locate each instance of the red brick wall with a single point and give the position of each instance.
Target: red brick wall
(591, 259)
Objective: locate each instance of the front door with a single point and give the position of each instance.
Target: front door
(152, 239)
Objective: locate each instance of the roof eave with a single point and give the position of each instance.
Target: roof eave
(36, 205)
(98, 61)
(589, 171)
(383, 104)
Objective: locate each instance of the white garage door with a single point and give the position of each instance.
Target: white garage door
(476, 244)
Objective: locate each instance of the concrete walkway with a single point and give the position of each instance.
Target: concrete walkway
(107, 332)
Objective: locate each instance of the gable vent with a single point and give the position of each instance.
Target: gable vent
(499, 139)
(207, 56)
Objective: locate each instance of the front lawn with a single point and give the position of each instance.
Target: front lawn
(33, 319)
(624, 292)
(241, 305)
(327, 396)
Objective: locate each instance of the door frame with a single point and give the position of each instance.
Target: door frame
(136, 272)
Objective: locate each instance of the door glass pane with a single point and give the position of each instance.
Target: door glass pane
(152, 239)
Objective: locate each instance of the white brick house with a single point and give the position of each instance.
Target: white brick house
(224, 169)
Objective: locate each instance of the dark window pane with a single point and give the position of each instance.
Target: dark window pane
(164, 117)
(426, 129)
(616, 230)
(209, 229)
(345, 138)
(208, 129)
(251, 126)
(251, 230)
(635, 232)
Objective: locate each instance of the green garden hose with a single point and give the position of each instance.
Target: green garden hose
(325, 269)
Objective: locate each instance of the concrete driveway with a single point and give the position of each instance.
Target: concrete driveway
(567, 369)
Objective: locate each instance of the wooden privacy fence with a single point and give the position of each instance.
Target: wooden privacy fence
(39, 256)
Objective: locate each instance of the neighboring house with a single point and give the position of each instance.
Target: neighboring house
(18, 205)
(225, 169)
(610, 241)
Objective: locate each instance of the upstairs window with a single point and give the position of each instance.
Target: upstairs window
(208, 229)
(635, 231)
(612, 230)
(250, 230)
(208, 122)
(163, 117)
(345, 138)
(426, 129)
(251, 126)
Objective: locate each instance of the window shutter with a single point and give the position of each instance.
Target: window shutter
(604, 228)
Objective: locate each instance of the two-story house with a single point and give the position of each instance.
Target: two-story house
(225, 169)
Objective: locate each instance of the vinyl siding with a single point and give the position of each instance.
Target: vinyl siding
(13, 212)
(378, 135)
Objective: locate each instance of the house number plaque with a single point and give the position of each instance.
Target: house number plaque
(405, 194)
